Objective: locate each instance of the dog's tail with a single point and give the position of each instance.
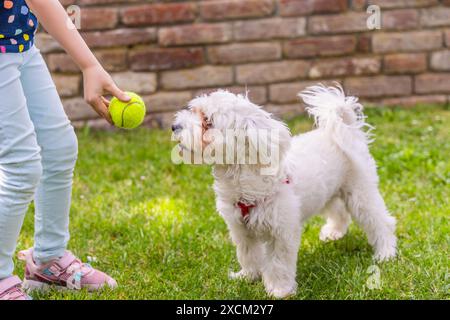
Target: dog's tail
(339, 115)
(334, 111)
(330, 107)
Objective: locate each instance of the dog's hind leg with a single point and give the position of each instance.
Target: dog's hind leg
(250, 253)
(367, 207)
(338, 220)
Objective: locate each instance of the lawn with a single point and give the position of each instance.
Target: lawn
(152, 224)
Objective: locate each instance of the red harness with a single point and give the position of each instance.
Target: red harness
(245, 208)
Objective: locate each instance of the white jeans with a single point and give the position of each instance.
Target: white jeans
(38, 151)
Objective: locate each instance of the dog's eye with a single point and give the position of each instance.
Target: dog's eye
(207, 123)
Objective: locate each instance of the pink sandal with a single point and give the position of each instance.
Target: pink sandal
(67, 272)
(11, 289)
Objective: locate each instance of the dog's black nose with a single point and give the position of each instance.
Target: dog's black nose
(176, 127)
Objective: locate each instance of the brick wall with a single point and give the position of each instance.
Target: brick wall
(169, 51)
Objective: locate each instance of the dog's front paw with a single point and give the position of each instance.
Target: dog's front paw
(282, 292)
(385, 254)
(244, 275)
(332, 233)
(385, 249)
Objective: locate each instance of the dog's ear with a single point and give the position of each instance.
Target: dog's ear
(284, 138)
(252, 143)
(266, 139)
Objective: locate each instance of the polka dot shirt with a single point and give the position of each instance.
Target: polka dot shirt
(17, 26)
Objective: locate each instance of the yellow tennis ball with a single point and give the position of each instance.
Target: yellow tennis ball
(127, 115)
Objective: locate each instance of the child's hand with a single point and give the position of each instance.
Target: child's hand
(96, 82)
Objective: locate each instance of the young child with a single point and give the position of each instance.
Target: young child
(38, 148)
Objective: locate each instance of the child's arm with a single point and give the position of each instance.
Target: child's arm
(54, 18)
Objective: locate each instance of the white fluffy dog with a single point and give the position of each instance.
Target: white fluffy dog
(328, 170)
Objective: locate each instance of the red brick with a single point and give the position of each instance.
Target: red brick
(405, 63)
(244, 52)
(151, 59)
(400, 19)
(344, 67)
(158, 120)
(359, 4)
(235, 9)
(78, 109)
(413, 101)
(195, 34)
(119, 37)
(67, 2)
(340, 23)
(306, 7)
(435, 17)
(98, 2)
(378, 86)
(440, 60)
(153, 14)
(273, 28)
(167, 101)
(286, 111)
(256, 94)
(67, 85)
(364, 43)
(99, 18)
(320, 46)
(113, 59)
(271, 72)
(406, 41)
(47, 43)
(61, 62)
(206, 76)
(403, 3)
(432, 83)
(288, 92)
(139, 82)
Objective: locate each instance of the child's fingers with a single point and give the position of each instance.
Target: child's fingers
(106, 101)
(102, 109)
(116, 92)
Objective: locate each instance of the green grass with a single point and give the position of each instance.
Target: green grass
(152, 224)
